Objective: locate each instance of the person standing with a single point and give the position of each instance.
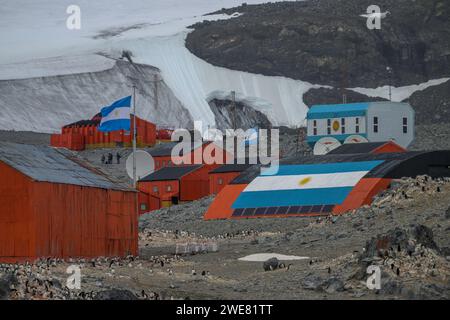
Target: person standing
(110, 158)
(118, 156)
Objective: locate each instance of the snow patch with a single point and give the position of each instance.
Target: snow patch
(261, 257)
(399, 93)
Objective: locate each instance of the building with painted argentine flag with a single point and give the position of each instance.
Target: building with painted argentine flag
(116, 116)
(304, 185)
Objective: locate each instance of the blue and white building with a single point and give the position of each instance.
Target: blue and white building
(361, 122)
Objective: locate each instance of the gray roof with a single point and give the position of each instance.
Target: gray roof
(231, 168)
(170, 173)
(47, 164)
(352, 148)
(395, 165)
(165, 149)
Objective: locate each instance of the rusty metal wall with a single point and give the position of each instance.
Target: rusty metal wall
(16, 221)
(76, 221)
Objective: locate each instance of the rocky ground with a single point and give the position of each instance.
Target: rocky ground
(404, 233)
(327, 42)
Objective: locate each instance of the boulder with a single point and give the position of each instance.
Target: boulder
(271, 264)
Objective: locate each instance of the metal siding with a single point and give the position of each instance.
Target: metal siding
(227, 177)
(16, 221)
(74, 221)
(195, 185)
(390, 118)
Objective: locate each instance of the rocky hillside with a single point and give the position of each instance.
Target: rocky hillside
(327, 42)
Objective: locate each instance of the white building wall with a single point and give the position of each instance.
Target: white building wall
(350, 126)
(390, 122)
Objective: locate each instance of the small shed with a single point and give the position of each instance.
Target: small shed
(173, 185)
(223, 175)
(162, 153)
(52, 204)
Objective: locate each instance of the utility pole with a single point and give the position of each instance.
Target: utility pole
(134, 137)
(389, 71)
(233, 103)
(156, 91)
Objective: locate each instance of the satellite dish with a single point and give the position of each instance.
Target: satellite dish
(144, 164)
(355, 138)
(325, 145)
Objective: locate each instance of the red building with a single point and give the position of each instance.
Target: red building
(85, 135)
(52, 205)
(172, 185)
(198, 152)
(223, 175)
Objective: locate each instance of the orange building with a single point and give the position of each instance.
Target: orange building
(84, 134)
(223, 175)
(172, 185)
(53, 205)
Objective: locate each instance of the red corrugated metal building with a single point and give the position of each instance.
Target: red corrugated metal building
(54, 205)
(173, 185)
(197, 152)
(85, 135)
(223, 175)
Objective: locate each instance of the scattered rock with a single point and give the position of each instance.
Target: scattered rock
(333, 285)
(115, 294)
(271, 264)
(312, 282)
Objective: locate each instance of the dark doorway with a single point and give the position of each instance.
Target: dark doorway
(174, 200)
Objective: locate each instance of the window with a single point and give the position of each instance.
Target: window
(220, 181)
(375, 124)
(155, 189)
(343, 125)
(163, 163)
(329, 126)
(143, 206)
(315, 127)
(169, 188)
(357, 125)
(169, 163)
(157, 164)
(405, 125)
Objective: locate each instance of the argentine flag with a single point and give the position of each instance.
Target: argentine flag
(116, 116)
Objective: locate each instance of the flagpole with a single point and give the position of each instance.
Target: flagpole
(134, 137)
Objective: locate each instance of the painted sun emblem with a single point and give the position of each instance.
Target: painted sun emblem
(336, 125)
(116, 113)
(304, 181)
